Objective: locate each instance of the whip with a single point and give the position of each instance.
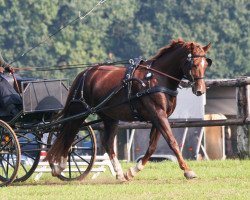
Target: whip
(80, 17)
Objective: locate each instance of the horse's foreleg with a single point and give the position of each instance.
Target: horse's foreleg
(165, 129)
(154, 137)
(111, 128)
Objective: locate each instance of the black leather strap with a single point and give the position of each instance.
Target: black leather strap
(157, 89)
(128, 80)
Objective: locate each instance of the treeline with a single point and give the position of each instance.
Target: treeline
(122, 29)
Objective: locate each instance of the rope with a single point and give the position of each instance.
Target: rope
(17, 86)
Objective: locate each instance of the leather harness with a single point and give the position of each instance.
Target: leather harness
(128, 78)
(127, 83)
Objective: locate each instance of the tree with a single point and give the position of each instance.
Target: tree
(124, 29)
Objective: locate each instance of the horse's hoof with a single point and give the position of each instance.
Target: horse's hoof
(56, 170)
(190, 174)
(129, 176)
(121, 178)
(53, 173)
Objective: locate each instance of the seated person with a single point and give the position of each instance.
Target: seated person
(10, 100)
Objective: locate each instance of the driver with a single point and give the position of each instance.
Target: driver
(10, 100)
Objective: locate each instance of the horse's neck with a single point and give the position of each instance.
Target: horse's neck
(170, 65)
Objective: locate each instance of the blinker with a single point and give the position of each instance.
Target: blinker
(189, 58)
(190, 61)
(209, 62)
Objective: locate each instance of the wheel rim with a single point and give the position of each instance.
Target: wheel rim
(9, 154)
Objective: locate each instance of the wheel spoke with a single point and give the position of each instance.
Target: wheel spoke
(4, 170)
(80, 139)
(69, 167)
(24, 168)
(9, 154)
(73, 158)
(30, 152)
(80, 157)
(6, 145)
(7, 161)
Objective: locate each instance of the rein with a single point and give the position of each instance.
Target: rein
(70, 66)
(183, 83)
(159, 72)
(17, 86)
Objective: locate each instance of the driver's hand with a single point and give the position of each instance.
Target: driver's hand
(2, 70)
(9, 69)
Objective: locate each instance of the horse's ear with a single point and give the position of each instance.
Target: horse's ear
(192, 46)
(1, 59)
(206, 48)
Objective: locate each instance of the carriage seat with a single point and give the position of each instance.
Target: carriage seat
(39, 95)
(3, 113)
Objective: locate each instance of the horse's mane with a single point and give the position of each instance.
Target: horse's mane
(175, 44)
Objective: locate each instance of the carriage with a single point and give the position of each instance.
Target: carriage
(144, 90)
(25, 136)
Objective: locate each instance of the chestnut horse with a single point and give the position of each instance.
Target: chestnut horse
(149, 93)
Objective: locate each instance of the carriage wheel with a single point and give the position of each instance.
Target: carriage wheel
(81, 157)
(9, 154)
(30, 155)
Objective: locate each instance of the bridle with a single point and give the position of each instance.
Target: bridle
(189, 64)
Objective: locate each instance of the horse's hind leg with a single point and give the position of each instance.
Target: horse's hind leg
(154, 138)
(110, 131)
(58, 152)
(57, 169)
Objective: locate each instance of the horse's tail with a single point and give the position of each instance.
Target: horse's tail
(68, 130)
(64, 139)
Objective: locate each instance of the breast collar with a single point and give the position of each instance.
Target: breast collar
(128, 81)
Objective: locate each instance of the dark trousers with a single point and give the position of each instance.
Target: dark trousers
(9, 98)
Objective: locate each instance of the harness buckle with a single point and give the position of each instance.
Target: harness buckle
(139, 94)
(131, 61)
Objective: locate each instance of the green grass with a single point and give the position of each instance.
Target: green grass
(228, 179)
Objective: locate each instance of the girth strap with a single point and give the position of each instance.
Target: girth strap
(148, 92)
(157, 89)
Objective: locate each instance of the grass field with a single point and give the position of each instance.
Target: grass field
(228, 179)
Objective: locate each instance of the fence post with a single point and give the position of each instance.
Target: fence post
(242, 131)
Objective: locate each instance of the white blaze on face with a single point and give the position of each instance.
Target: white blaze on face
(203, 62)
(202, 65)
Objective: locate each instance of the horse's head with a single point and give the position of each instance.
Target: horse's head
(195, 67)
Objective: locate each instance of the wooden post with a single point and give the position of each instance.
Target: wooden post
(242, 130)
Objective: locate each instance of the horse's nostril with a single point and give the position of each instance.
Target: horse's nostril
(199, 93)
